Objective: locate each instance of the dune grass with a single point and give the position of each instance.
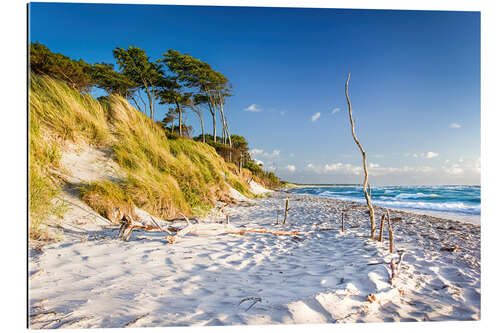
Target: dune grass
(163, 176)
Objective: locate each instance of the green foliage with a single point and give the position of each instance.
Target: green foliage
(105, 77)
(61, 67)
(269, 179)
(136, 66)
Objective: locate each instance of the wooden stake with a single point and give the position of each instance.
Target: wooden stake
(391, 235)
(343, 212)
(381, 228)
(286, 210)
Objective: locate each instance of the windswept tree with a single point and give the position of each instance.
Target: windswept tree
(169, 118)
(138, 68)
(195, 104)
(195, 74)
(171, 92)
(105, 77)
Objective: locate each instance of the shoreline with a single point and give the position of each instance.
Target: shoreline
(454, 216)
(321, 275)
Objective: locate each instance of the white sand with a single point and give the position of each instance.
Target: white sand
(94, 280)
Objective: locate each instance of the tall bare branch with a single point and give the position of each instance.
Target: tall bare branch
(363, 154)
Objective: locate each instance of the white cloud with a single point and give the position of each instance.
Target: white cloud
(275, 153)
(290, 168)
(335, 110)
(455, 125)
(374, 169)
(253, 108)
(315, 116)
(292, 155)
(256, 151)
(454, 170)
(431, 154)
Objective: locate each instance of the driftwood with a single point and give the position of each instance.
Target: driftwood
(133, 321)
(343, 213)
(395, 267)
(254, 299)
(391, 235)
(286, 210)
(129, 225)
(40, 271)
(384, 296)
(381, 228)
(365, 169)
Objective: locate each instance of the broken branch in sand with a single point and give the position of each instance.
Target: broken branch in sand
(384, 296)
(365, 169)
(381, 228)
(36, 273)
(254, 299)
(129, 225)
(391, 235)
(396, 267)
(133, 321)
(343, 213)
(286, 210)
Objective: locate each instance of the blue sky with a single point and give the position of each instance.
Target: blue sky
(415, 81)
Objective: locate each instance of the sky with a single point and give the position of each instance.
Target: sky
(414, 88)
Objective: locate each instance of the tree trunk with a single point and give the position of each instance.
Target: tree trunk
(150, 100)
(180, 118)
(363, 154)
(135, 102)
(202, 127)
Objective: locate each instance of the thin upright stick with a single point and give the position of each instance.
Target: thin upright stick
(391, 235)
(381, 228)
(286, 210)
(343, 212)
(363, 154)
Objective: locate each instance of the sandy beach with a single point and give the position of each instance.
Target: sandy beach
(324, 275)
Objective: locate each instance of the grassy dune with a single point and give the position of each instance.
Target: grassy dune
(163, 176)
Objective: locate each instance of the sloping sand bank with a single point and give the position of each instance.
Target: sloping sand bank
(321, 277)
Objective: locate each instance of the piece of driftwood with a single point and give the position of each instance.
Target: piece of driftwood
(34, 275)
(129, 225)
(133, 321)
(396, 267)
(343, 213)
(384, 296)
(381, 228)
(368, 196)
(286, 210)
(254, 299)
(391, 235)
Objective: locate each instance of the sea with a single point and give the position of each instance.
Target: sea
(456, 200)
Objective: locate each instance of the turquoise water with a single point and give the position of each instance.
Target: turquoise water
(451, 198)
